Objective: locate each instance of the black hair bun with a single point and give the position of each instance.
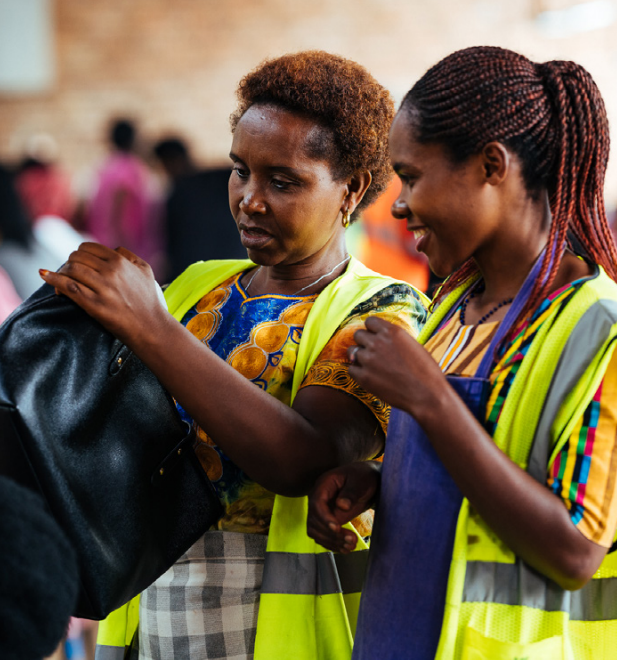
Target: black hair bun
(38, 576)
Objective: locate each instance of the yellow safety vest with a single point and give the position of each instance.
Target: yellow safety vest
(497, 607)
(309, 597)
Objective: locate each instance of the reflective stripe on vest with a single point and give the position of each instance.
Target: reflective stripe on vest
(516, 583)
(314, 574)
(109, 652)
(582, 346)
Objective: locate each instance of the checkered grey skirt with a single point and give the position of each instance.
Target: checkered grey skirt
(205, 607)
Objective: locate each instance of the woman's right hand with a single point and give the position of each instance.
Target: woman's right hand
(389, 363)
(338, 497)
(115, 287)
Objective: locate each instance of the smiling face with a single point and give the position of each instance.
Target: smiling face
(286, 204)
(448, 205)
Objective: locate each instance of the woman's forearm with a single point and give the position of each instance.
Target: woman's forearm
(283, 449)
(277, 446)
(533, 522)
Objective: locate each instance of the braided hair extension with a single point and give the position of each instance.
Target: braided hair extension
(551, 115)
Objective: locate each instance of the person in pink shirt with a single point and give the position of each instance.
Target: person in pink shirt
(121, 211)
(43, 186)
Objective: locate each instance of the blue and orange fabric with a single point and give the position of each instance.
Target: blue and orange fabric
(259, 337)
(583, 473)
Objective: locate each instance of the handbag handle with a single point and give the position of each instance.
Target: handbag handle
(172, 460)
(121, 354)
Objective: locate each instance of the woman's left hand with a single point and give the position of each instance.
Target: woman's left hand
(337, 498)
(115, 287)
(392, 365)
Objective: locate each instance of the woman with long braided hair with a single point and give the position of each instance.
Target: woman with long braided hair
(497, 499)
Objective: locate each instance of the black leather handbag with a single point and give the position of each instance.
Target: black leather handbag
(88, 426)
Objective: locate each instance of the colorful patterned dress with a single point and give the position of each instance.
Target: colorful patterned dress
(205, 607)
(259, 338)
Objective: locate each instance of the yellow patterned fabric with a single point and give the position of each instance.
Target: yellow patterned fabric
(331, 367)
(259, 337)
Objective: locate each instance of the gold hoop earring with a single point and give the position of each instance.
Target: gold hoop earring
(346, 219)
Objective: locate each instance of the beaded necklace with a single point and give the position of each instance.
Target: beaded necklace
(476, 292)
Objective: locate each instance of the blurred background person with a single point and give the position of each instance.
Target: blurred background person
(123, 209)
(21, 254)
(46, 197)
(197, 220)
(44, 188)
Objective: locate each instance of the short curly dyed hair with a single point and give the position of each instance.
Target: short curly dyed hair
(339, 95)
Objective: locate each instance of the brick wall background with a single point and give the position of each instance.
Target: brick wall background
(173, 66)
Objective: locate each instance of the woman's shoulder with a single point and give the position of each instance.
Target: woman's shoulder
(595, 304)
(578, 273)
(198, 279)
(399, 303)
(201, 269)
(595, 288)
(395, 293)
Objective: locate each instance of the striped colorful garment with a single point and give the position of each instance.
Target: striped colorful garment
(583, 473)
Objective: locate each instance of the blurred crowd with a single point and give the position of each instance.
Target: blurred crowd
(155, 200)
(150, 198)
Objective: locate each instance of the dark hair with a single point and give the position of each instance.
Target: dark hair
(170, 148)
(551, 115)
(39, 576)
(14, 223)
(122, 134)
(340, 96)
